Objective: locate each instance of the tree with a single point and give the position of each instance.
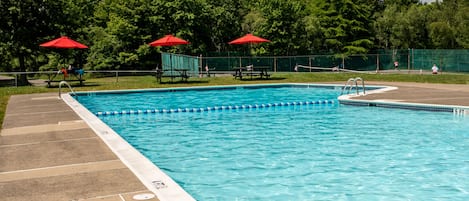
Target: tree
(384, 26)
(281, 22)
(23, 25)
(346, 26)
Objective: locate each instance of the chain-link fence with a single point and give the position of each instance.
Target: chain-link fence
(411, 59)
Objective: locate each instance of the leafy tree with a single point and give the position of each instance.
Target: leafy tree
(384, 26)
(281, 22)
(118, 34)
(410, 27)
(461, 28)
(346, 26)
(23, 25)
(441, 35)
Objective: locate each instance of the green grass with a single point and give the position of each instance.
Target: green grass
(140, 82)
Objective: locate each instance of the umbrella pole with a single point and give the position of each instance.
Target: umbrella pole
(171, 65)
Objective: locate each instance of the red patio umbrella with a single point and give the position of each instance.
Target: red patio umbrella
(64, 42)
(248, 38)
(169, 40)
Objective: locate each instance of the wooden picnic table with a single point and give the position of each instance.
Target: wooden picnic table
(52, 75)
(180, 72)
(251, 71)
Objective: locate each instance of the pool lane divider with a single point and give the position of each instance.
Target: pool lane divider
(217, 108)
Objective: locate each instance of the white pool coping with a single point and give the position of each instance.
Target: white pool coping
(165, 188)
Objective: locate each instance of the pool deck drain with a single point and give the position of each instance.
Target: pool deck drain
(48, 153)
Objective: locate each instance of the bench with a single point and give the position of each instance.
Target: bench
(172, 74)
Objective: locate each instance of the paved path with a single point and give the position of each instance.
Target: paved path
(442, 94)
(48, 153)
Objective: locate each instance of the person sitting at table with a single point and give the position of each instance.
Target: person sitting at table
(63, 71)
(70, 69)
(80, 71)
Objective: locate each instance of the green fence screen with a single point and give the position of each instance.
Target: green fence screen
(173, 62)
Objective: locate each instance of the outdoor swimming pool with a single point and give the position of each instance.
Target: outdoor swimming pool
(315, 151)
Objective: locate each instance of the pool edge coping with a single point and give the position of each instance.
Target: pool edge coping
(158, 182)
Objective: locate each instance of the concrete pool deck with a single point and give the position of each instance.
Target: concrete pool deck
(49, 153)
(439, 94)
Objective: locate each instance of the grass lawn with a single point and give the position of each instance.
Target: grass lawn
(140, 82)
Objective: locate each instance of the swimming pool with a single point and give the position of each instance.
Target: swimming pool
(315, 151)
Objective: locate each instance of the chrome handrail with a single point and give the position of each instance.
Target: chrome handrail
(60, 88)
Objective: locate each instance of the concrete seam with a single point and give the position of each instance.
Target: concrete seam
(34, 143)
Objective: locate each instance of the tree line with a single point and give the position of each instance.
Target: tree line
(118, 31)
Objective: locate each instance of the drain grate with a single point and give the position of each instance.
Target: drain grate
(143, 196)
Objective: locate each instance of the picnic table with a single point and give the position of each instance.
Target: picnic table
(65, 75)
(251, 71)
(181, 72)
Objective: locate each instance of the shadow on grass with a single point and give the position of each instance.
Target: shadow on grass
(74, 85)
(185, 82)
(262, 79)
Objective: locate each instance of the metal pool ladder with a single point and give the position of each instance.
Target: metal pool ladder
(351, 82)
(60, 88)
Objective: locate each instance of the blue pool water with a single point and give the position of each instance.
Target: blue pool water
(297, 152)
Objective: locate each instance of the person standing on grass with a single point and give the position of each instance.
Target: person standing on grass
(396, 65)
(434, 69)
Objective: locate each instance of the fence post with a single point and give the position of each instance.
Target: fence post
(408, 59)
(377, 63)
(343, 61)
(117, 76)
(275, 64)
